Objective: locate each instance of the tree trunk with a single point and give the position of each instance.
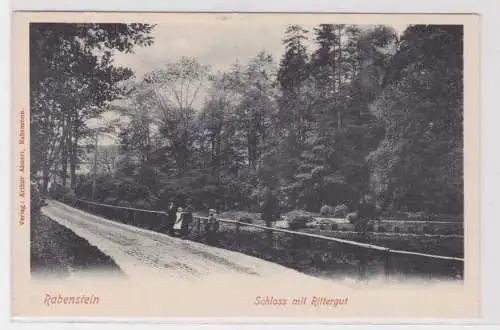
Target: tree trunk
(65, 150)
(338, 66)
(64, 162)
(73, 160)
(45, 178)
(252, 149)
(218, 149)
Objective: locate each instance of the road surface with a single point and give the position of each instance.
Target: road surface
(138, 250)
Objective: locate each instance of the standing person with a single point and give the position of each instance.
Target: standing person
(189, 206)
(171, 216)
(187, 219)
(212, 227)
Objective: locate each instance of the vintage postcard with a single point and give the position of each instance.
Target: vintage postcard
(201, 166)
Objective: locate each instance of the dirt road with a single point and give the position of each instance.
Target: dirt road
(137, 250)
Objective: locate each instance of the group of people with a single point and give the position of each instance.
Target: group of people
(178, 220)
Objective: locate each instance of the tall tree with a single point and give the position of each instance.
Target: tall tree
(292, 74)
(176, 87)
(257, 105)
(418, 165)
(72, 77)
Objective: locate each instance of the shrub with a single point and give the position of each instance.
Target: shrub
(241, 216)
(327, 210)
(340, 211)
(382, 229)
(245, 219)
(36, 199)
(418, 216)
(298, 219)
(142, 204)
(427, 230)
(448, 231)
(386, 214)
(312, 224)
(58, 191)
(124, 203)
(352, 217)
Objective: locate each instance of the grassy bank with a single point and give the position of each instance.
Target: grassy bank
(56, 250)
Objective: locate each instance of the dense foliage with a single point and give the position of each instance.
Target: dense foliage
(364, 110)
(72, 79)
(419, 163)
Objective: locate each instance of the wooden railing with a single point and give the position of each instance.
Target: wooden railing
(305, 251)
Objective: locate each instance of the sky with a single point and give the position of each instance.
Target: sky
(216, 45)
(215, 42)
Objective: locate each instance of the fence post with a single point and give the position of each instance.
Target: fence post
(385, 255)
(269, 236)
(198, 227)
(313, 252)
(165, 222)
(237, 235)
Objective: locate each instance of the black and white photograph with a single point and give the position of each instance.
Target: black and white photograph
(195, 148)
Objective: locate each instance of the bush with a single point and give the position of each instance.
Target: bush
(327, 210)
(124, 204)
(36, 199)
(245, 219)
(418, 216)
(298, 219)
(241, 216)
(448, 231)
(340, 211)
(352, 217)
(58, 191)
(427, 230)
(142, 204)
(382, 229)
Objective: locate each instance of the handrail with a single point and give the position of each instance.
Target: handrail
(118, 207)
(423, 222)
(322, 237)
(399, 221)
(298, 233)
(425, 255)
